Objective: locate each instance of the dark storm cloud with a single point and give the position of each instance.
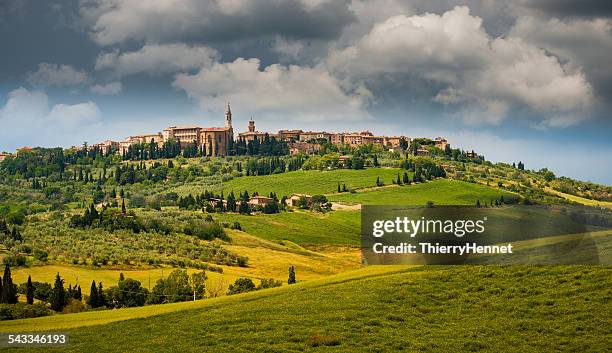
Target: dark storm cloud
(114, 22)
(573, 8)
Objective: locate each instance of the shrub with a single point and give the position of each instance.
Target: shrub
(22, 311)
(269, 283)
(241, 285)
(74, 306)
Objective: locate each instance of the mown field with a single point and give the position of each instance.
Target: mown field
(441, 192)
(376, 309)
(311, 181)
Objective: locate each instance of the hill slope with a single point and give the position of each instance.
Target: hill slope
(464, 308)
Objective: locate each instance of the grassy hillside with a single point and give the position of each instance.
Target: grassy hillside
(301, 227)
(451, 308)
(266, 260)
(311, 181)
(441, 192)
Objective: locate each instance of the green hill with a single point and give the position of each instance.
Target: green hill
(376, 309)
(311, 181)
(441, 192)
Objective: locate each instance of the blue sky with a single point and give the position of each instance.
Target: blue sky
(513, 80)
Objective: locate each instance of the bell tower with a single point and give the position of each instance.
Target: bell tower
(228, 116)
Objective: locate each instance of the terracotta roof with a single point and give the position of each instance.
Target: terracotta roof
(215, 129)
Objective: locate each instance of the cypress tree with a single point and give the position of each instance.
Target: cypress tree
(291, 279)
(58, 298)
(101, 296)
(9, 290)
(93, 300)
(30, 291)
(339, 188)
(121, 277)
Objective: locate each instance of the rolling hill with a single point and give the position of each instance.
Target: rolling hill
(381, 309)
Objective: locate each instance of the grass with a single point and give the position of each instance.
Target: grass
(376, 309)
(441, 192)
(578, 199)
(311, 181)
(303, 228)
(266, 260)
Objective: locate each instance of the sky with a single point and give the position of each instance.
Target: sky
(513, 80)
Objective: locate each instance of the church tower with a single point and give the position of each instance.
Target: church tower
(228, 116)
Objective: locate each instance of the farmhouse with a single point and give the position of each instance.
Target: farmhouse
(294, 199)
(260, 201)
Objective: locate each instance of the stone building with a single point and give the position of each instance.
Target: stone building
(252, 133)
(441, 143)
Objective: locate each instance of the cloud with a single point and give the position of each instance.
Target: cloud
(27, 112)
(485, 77)
(108, 89)
(55, 75)
(72, 116)
(118, 21)
(584, 45)
(157, 59)
(287, 92)
(572, 9)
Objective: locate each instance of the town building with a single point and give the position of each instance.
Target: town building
(252, 133)
(289, 135)
(3, 156)
(303, 147)
(441, 143)
(107, 146)
(471, 154)
(422, 151)
(307, 136)
(212, 141)
(139, 139)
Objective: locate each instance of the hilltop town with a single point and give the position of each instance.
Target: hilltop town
(221, 141)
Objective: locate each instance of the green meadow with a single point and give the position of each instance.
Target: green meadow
(377, 309)
(440, 192)
(311, 181)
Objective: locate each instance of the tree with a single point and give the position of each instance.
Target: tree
(375, 162)
(9, 290)
(30, 291)
(241, 285)
(128, 293)
(478, 203)
(101, 296)
(94, 300)
(123, 211)
(291, 279)
(197, 281)
(121, 277)
(406, 179)
(58, 300)
(339, 190)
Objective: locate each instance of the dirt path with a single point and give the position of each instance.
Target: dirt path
(342, 207)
